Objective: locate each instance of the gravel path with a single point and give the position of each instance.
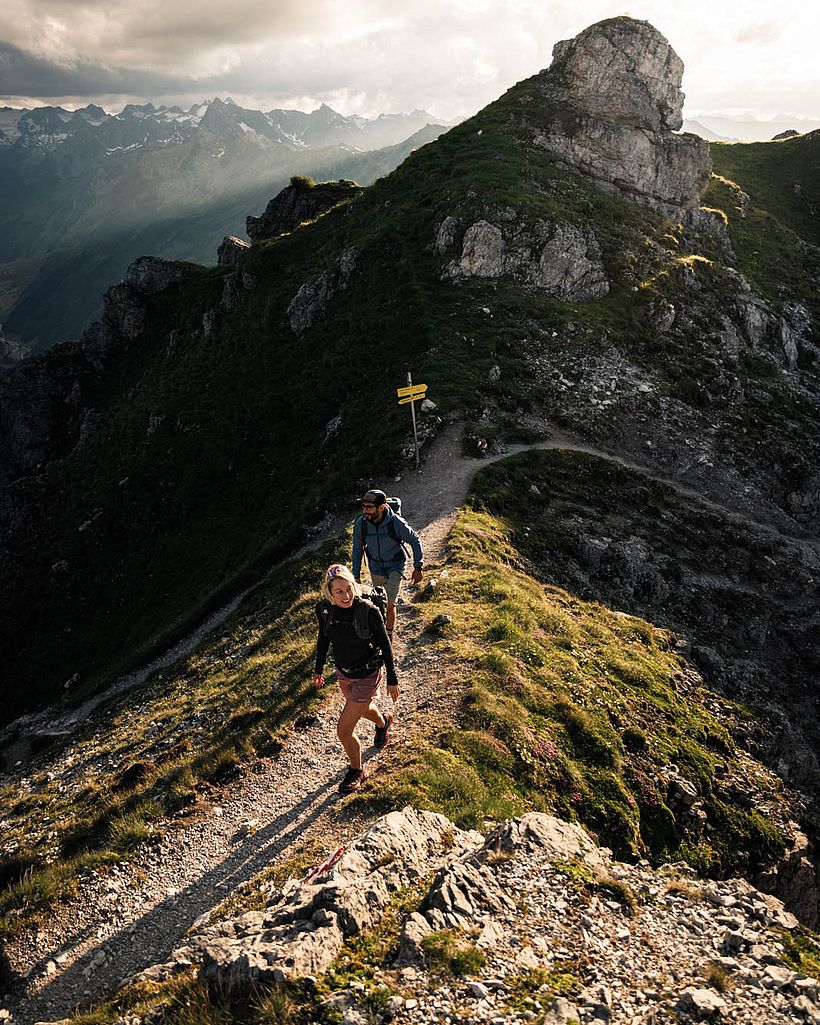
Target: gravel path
(125, 921)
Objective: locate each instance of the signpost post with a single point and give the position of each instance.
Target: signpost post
(411, 394)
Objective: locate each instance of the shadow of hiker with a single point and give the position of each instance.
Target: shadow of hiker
(162, 928)
(10, 982)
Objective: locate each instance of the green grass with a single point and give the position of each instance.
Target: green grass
(569, 707)
(543, 985)
(802, 949)
(451, 952)
(185, 1001)
(768, 172)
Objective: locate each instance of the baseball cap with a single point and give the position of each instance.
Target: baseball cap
(375, 496)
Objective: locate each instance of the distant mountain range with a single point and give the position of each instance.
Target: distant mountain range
(735, 129)
(83, 193)
(90, 131)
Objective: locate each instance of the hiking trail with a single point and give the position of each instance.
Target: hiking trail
(132, 917)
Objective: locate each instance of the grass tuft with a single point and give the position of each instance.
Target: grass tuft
(451, 952)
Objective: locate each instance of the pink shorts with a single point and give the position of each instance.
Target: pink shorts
(362, 690)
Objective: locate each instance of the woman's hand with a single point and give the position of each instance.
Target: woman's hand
(319, 680)
(393, 692)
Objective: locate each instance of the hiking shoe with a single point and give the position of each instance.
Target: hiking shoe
(353, 779)
(382, 738)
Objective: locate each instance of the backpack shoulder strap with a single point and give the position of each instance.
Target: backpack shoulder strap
(361, 619)
(325, 613)
(391, 530)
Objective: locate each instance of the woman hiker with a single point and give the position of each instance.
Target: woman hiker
(361, 653)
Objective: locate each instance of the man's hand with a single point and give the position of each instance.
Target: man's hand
(393, 692)
(416, 575)
(319, 680)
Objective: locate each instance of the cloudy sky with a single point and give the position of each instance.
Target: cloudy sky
(371, 56)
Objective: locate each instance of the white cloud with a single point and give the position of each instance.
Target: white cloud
(371, 55)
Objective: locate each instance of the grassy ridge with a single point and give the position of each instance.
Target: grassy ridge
(573, 708)
(565, 705)
(782, 198)
(782, 176)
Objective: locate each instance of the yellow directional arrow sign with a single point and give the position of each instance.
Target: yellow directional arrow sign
(411, 391)
(411, 398)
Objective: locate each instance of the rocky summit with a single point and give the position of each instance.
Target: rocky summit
(616, 91)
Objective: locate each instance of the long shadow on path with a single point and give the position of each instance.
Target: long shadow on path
(149, 935)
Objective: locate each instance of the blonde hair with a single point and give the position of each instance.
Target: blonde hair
(339, 572)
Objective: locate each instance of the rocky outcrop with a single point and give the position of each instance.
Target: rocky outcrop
(237, 287)
(616, 97)
(754, 325)
(313, 297)
(302, 931)
(151, 274)
(303, 200)
(45, 401)
(561, 260)
(231, 251)
(532, 922)
(794, 879)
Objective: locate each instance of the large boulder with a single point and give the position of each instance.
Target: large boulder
(303, 928)
(150, 274)
(615, 93)
(562, 260)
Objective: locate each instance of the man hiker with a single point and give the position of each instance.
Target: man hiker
(380, 534)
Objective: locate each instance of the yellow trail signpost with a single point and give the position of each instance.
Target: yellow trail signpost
(416, 396)
(409, 395)
(412, 391)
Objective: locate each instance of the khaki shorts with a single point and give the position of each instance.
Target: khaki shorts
(361, 690)
(391, 584)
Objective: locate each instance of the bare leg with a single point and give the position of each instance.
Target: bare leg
(374, 715)
(390, 618)
(351, 713)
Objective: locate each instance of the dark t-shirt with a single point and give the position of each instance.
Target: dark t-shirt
(353, 656)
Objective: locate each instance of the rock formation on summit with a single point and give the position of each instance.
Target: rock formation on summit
(615, 90)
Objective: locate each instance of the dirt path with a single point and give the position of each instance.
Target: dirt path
(124, 922)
